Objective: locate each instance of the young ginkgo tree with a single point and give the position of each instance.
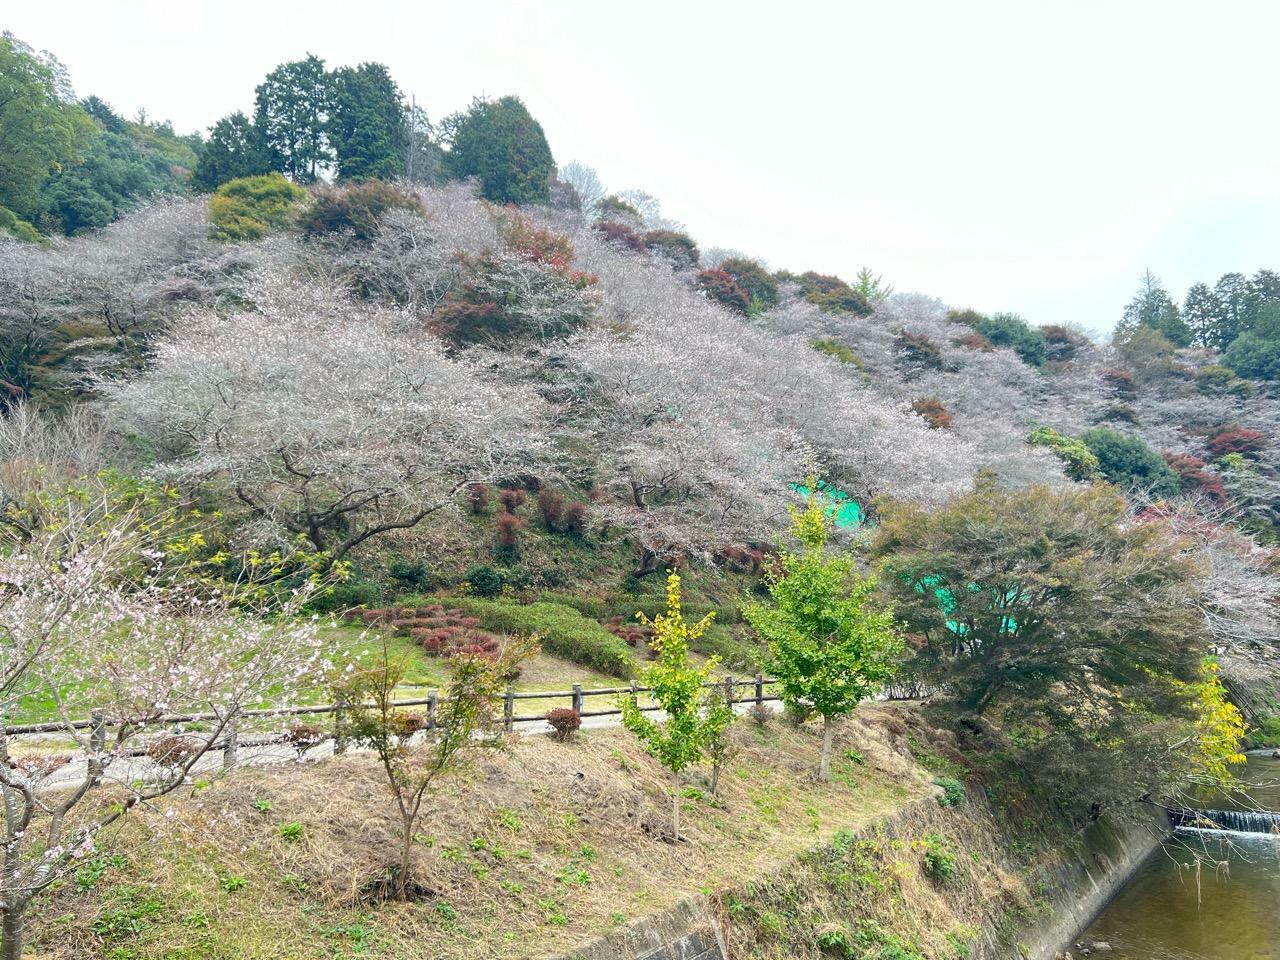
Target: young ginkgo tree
(831, 644)
(677, 686)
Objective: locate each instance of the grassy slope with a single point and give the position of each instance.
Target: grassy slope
(537, 849)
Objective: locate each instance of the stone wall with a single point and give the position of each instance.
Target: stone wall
(687, 931)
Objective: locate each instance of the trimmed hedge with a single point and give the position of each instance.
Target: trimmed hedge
(563, 630)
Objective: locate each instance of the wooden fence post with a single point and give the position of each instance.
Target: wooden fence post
(759, 689)
(509, 709)
(729, 690)
(230, 742)
(433, 706)
(577, 697)
(339, 728)
(97, 742)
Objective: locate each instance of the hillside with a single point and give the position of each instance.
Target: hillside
(399, 427)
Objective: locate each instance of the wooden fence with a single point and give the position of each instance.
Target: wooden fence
(99, 724)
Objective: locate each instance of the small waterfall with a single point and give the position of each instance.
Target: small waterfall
(1235, 821)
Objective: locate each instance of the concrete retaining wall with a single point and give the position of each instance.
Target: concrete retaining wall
(1096, 865)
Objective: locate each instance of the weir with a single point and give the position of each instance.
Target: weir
(1231, 821)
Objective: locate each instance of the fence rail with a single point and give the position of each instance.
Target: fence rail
(98, 723)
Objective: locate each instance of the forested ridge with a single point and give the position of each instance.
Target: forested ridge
(336, 359)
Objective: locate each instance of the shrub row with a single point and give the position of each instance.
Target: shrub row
(563, 630)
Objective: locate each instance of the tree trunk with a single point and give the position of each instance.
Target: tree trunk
(824, 766)
(406, 845)
(675, 806)
(11, 925)
(715, 779)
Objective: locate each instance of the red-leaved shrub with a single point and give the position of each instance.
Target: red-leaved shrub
(564, 721)
(1236, 439)
(512, 498)
(1121, 381)
(575, 519)
(1195, 476)
(722, 288)
(478, 497)
(932, 412)
(551, 506)
(509, 527)
(622, 235)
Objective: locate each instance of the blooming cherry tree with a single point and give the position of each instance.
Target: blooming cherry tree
(91, 616)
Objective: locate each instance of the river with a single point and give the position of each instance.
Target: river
(1230, 912)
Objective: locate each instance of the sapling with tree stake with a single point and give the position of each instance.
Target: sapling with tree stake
(676, 684)
(464, 722)
(719, 716)
(831, 644)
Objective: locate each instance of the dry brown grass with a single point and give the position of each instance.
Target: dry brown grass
(536, 849)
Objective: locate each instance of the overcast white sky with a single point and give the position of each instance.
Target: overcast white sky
(1026, 156)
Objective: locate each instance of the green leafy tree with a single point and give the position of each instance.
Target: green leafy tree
(126, 162)
(1148, 353)
(872, 286)
(41, 127)
(677, 686)
(1263, 292)
(1053, 615)
(1152, 307)
(831, 643)
(1127, 461)
(367, 123)
(464, 723)
(1010, 330)
(291, 113)
(499, 143)
(234, 150)
(829, 293)
(1256, 352)
(751, 276)
(248, 208)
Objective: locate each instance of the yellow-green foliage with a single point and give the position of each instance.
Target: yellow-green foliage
(1220, 727)
(15, 226)
(835, 348)
(247, 208)
(676, 683)
(1081, 462)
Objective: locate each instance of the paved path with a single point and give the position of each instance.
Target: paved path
(130, 770)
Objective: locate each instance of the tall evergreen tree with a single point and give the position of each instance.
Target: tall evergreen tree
(234, 150)
(1200, 312)
(499, 142)
(1232, 292)
(292, 114)
(367, 123)
(1263, 292)
(1153, 307)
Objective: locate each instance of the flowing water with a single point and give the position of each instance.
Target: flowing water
(1227, 910)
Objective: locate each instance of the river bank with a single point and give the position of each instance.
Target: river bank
(1206, 894)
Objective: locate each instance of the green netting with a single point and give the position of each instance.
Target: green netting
(847, 512)
(840, 505)
(947, 603)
